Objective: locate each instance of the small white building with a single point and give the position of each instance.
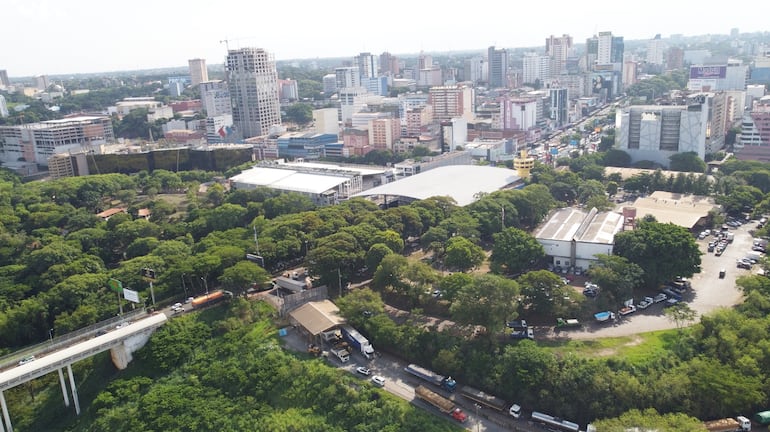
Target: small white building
(573, 237)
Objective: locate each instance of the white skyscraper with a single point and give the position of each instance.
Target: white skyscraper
(536, 68)
(253, 82)
(655, 48)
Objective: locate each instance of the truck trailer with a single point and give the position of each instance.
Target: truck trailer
(484, 399)
(737, 424)
(207, 299)
(358, 341)
(341, 353)
(444, 405)
(432, 377)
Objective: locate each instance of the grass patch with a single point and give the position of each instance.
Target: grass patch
(638, 349)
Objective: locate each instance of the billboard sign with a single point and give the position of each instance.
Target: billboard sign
(713, 72)
(131, 295)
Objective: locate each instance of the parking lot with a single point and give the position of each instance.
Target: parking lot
(709, 293)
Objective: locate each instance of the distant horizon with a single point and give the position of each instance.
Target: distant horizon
(307, 59)
(86, 38)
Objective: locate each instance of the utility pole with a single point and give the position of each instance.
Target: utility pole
(256, 240)
(502, 217)
(339, 280)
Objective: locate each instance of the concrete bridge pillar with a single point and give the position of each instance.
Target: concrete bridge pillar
(6, 416)
(63, 388)
(123, 354)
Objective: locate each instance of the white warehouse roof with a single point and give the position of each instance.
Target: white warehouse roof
(287, 180)
(460, 182)
(569, 224)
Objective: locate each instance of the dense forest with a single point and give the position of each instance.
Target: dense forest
(57, 255)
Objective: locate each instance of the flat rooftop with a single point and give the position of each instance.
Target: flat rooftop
(569, 224)
(667, 207)
(288, 180)
(463, 183)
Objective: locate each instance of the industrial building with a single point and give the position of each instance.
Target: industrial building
(573, 237)
(324, 184)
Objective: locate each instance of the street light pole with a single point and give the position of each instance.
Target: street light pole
(50, 335)
(478, 421)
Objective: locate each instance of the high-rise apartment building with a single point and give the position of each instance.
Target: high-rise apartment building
(449, 102)
(368, 65)
(3, 107)
(389, 64)
(536, 67)
(383, 132)
(347, 77)
(326, 121)
(675, 58)
(41, 82)
(4, 81)
(559, 106)
(497, 64)
(655, 50)
(558, 49)
(753, 142)
(253, 82)
(215, 98)
(329, 84)
(198, 71)
(473, 69)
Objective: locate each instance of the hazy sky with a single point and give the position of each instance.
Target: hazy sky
(77, 36)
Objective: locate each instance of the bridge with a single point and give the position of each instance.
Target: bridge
(122, 340)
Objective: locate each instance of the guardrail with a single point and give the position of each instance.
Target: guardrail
(54, 344)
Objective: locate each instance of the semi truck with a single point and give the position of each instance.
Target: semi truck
(290, 284)
(739, 423)
(432, 377)
(484, 399)
(341, 353)
(358, 341)
(443, 404)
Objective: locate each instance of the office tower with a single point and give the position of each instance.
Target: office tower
(348, 77)
(655, 48)
(368, 65)
(253, 83)
(198, 71)
(498, 67)
(559, 106)
(558, 49)
(424, 61)
(4, 81)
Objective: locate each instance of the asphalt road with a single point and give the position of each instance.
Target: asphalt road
(708, 294)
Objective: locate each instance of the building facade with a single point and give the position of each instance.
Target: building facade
(36, 142)
(536, 68)
(559, 50)
(4, 81)
(497, 64)
(253, 83)
(452, 101)
(753, 142)
(326, 121)
(656, 132)
(215, 98)
(198, 71)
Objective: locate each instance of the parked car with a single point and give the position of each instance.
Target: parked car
(645, 303)
(744, 264)
(670, 302)
(378, 380)
(590, 292)
(722, 274)
(660, 298)
(363, 371)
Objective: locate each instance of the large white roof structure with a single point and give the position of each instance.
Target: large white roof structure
(287, 180)
(460, 182)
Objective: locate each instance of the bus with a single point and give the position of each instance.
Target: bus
(555, 422)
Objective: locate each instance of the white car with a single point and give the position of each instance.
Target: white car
(26, 360)
(363, 371)
(378, 380)
(647, 301)
(176, 305)
(515, 411)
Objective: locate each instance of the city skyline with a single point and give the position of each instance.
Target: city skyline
(86, 37)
